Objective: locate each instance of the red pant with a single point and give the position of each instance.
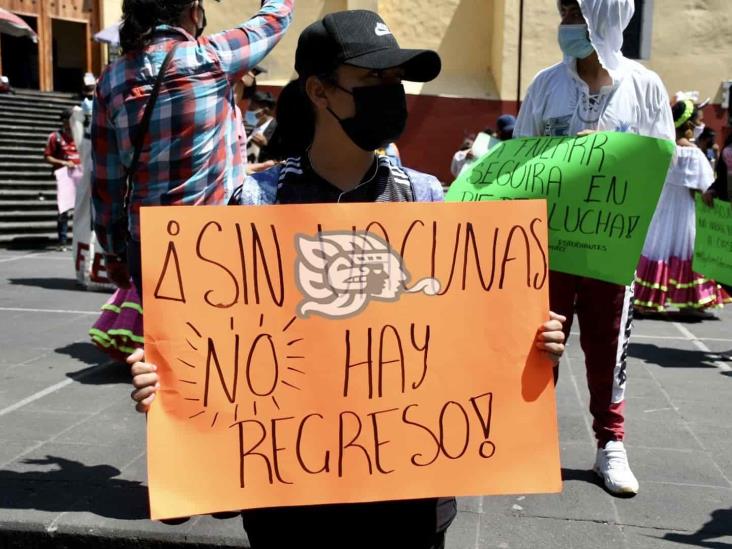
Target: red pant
(605, 318)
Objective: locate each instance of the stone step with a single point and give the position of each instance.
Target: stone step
(33, 115)
(28, 195)
(34, 112)
(35, 102)
(23, 150)
(23, 138)
(11, 179)
(45, 113)
(41, 99)
(35, 199)
(32, 203)
(23, 133)
(28, 216)
(20, 160)
(9, 145)
(24, 226)
(32, 159)
(33, 129)
(30, 132)
(21, 155)
(10, 184)
(27, 143)
(22, 166)
(10, 175)
(18, 180)
(28, 209)
(33, 194)
(29, 100)
(23, 92)
(16, 237)
(14, 148)
(18, 121)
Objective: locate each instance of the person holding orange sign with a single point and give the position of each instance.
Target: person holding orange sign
(347, 102)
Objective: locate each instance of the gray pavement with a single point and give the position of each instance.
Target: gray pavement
(72, 450)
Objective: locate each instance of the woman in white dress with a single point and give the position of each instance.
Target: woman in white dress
(665, 279)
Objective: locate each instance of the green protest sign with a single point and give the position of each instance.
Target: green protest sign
(601, 189)
(713, 245)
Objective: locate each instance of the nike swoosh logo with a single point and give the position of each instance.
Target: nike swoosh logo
(382, 30)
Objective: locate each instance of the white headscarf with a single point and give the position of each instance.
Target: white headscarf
(606, 20)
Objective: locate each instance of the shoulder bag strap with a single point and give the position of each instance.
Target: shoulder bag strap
(145, 123)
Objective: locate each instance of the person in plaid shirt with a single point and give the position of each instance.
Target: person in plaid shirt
(190, 154)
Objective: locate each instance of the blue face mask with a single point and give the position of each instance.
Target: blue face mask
(250, 118)
(574, 41)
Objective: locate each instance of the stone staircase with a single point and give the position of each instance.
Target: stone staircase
(28, 209)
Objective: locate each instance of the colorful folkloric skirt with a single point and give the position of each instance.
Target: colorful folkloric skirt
(663, 285)
(118, 330)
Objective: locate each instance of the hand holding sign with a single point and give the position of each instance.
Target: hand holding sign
(145, 380)
(549, 339)
(311, 354)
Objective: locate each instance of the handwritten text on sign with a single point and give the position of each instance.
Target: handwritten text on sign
(713, 246)
(602, 191)
(319, 354)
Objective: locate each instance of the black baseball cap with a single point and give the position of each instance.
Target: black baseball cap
(360, 38)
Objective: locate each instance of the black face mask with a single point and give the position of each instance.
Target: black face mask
(381, 115)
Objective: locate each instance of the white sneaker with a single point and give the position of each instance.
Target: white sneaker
(612, 466)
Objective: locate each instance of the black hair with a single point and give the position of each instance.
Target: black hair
(140, 17)
(264, 98)
(678, 111)
(295, 116)
(66, 115)
(250, 91)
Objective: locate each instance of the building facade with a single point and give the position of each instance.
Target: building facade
(65, 50)
(487, 67)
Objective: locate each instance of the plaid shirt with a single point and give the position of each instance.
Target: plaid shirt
(191, 151)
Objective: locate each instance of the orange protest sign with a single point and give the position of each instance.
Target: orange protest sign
(328, 354)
